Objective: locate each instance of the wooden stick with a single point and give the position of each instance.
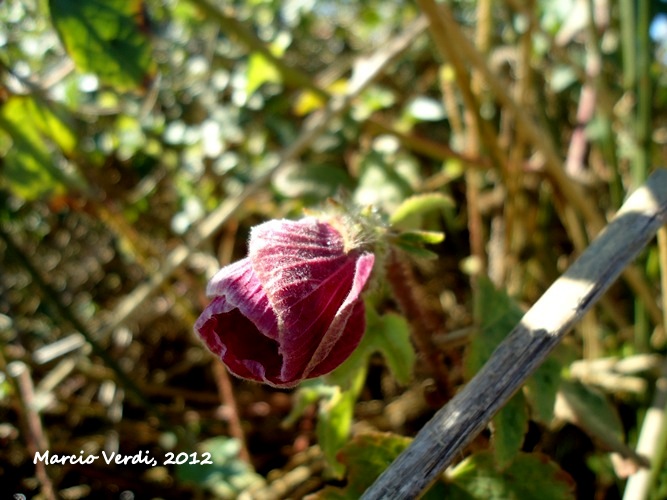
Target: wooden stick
(516, 358)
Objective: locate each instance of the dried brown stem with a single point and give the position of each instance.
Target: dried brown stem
(424, 322)
(34, 432)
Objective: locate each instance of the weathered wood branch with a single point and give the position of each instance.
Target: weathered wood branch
(517, 357)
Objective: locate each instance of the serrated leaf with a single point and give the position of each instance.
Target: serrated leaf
(530, 475)
(497, 314)
(106, 37)
(418, 205)
(509, 426)
(366, 457)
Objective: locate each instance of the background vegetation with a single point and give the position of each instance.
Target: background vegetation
(140, 141)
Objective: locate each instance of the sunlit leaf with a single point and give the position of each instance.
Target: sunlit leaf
(529, 476)
(308, 101)
(421, 237)
(412, 208)
(311, 183)
(32, 132)
(260, 71)
(380, 184)
(106, 37)
(334, 423)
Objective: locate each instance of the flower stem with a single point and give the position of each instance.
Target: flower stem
(423, 321)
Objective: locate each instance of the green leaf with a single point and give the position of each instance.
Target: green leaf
(333, 427)
(390, 334)
(496, 314)
(529, 476)
(106, 37)
(409, 212)
(366, 457)
(381, 184)
(260, 71)
(32, 132)
(541, 389)
(421, 237)
(593, 412)
(310, 183)
(417, 251)
(308, 393)
(226, 477)
(509, 426)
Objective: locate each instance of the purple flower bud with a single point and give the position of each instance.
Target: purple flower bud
(291, 310)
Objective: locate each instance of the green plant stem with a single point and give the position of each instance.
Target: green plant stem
(640, 165)
(627, 20)
(644, 95)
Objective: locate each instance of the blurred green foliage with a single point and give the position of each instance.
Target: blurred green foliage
(124, 125)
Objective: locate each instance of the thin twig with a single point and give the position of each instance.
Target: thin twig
(35, 437)
(231, 415)
(519, 355)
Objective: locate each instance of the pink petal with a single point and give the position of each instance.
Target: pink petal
(239, 325)
(291, 309)
(242, 289)
(348, 326)
(312, 285)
